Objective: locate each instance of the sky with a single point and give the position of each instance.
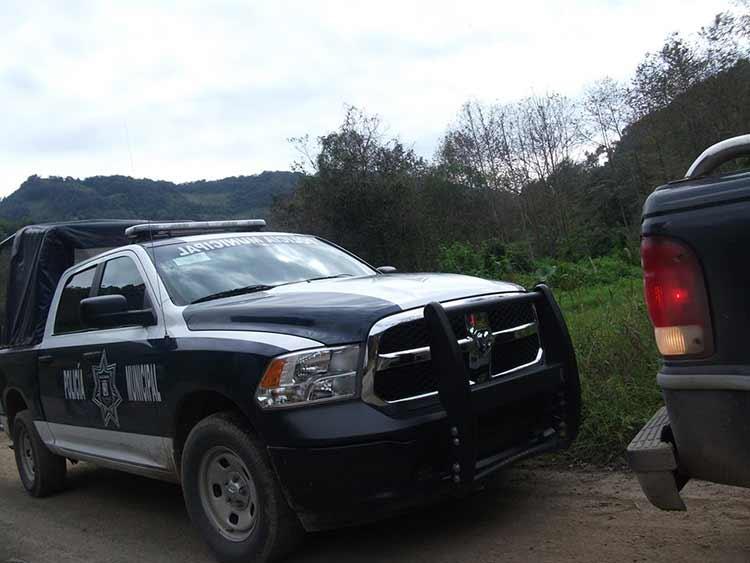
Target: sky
(189, 90)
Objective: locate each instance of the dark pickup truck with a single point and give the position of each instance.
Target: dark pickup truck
(695, 232)
(285, 383)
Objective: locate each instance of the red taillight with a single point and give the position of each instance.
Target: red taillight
(676, 297)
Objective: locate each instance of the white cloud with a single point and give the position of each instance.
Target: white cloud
(211, 89)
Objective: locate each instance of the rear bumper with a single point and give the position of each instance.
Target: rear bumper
(347, 463)
(701, 433)
(711, 429)
(652, 457)
(4, 425)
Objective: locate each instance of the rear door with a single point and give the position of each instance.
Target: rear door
(61, 381)
(102, 388)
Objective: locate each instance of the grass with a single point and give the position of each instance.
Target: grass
(617, 361)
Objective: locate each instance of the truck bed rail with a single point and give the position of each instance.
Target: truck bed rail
(718, 154)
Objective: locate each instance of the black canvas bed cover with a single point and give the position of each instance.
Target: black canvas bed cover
(39, 256)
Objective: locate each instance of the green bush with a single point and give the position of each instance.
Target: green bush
(512, 262)
(586, 273)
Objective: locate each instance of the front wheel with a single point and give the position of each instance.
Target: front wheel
(232, 495)
(42, 472)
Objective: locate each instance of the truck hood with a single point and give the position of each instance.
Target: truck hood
(338, 311)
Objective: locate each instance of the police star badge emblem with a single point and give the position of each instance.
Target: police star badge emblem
(106, 395)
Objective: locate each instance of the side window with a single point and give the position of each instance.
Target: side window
(121, 277)
(78, 287)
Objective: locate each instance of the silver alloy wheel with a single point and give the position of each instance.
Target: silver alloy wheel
(228, 494)
(28, 465)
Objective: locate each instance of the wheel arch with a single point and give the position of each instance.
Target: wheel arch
(13, 402)
(194, 407)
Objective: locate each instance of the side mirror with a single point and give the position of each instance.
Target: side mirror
(387, 270)
(108, 311)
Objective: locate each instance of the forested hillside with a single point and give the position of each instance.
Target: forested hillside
(544, 176)
(54, 199)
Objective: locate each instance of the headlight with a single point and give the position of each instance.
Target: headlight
(309, 377)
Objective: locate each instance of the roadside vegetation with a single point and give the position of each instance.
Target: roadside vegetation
(617, 361)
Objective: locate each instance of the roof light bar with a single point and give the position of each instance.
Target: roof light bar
(147, 231)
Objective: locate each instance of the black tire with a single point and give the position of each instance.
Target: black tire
(42, 472)
(274, 529)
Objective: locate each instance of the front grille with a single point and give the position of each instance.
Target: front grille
(513, 354)
(407, 376)
(408, 381)
(414, 334)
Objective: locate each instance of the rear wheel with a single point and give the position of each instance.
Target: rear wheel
(42, 472)
(232, 494)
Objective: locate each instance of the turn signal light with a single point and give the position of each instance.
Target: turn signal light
(272, 377)
(676, 297)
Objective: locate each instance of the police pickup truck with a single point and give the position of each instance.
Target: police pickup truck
(286, 384)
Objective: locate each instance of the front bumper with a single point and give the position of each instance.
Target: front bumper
(347, 463)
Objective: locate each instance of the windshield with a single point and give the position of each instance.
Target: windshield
(194, 271)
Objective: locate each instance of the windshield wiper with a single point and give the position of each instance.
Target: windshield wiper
(316, 279)
(327, 277)
(232, 292)
(260, 287)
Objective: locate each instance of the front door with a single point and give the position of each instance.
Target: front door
(101, 389)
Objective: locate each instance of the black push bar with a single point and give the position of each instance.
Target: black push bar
(454, 387)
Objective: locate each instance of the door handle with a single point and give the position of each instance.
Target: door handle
(92, 355)
(45, 359)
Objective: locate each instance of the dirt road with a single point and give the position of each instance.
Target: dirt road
(525, 515)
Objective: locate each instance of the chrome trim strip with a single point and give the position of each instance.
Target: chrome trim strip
(416, 355)
(537, 360)
(416, 397)
(135, 469)
(137, 453)
(373, 341)
(405, 358)
(517, 332)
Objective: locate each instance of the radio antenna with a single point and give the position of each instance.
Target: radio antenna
(151, 236)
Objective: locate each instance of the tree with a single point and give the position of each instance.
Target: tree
(360, 189)
(607, 113)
